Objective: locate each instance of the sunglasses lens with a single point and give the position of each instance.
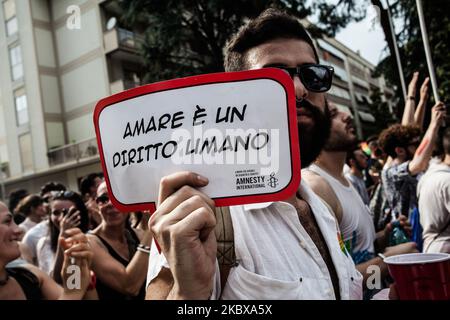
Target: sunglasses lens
(102, 199)
(317, 78)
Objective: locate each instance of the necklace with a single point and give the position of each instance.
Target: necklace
(5, 281)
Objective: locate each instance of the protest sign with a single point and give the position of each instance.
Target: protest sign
(238, 129)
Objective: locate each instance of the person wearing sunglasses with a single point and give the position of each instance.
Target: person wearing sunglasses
(121, 253)
(282, 250)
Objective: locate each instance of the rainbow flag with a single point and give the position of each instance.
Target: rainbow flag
(364, 147)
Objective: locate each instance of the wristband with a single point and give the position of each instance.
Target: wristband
(143, 248)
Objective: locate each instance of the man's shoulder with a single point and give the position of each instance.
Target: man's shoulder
(437, 175)
(37, 231)
(316, 182)
(396, 170)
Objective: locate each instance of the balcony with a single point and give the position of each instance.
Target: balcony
(74, 152)
(4, 170)
(123, 44)
(122, 85)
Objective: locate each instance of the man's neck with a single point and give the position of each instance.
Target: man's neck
(356, 172)
(332, 162)
(399, 160)
(35, 218)
(447, 160)
(113, 233)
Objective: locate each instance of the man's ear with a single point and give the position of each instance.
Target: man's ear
(400, 151)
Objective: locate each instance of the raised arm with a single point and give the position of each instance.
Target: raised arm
(71, 220)
(127, 280)
(419, 115)
(183, 226)
(410, 103)
(423, 154)
(76, 271)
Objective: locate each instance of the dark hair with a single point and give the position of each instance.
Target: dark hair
(79, 204)
(29, 202)
(138, 216)
(87, 182)
(269, 25)
(52, 186)
(397, 135)
(15, 197)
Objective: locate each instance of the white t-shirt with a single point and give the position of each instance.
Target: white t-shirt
(45, 255)
(277, 258)
(27, 224)
(433, 192)
(356, 225)
(33, 235)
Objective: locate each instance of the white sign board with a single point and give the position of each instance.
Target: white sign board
(237, 129)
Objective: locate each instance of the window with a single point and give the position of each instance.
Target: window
(340, 92)
(26, 153)
(15, 56)
(21, 107)
(11, 27)
(9, 8)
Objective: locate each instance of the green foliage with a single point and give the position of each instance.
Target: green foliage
(187, 37)
(380, 110)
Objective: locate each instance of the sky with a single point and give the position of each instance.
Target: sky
(367, 36)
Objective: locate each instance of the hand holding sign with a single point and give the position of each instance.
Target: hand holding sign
(237, 129)
(184, 228)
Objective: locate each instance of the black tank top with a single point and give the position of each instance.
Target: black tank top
(104, 291)
(27, 281)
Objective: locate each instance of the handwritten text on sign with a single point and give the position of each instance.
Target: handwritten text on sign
(237, 129)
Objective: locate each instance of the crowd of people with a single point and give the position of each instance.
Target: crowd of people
(365, 193)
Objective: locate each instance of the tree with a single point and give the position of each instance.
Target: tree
(411, 49)
(187, 37)
(380, 110)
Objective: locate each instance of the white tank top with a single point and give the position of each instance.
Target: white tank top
(356, 224)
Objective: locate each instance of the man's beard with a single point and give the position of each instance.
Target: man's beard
(313, 138)
(340, 143)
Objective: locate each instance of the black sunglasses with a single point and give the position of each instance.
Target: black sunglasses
(315, 77)
(102, 199)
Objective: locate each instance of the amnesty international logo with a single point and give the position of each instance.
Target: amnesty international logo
(273, 182)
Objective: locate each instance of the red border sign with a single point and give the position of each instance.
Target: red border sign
(266, 73)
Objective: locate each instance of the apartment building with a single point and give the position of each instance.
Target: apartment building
(353, 82)
(59, 57)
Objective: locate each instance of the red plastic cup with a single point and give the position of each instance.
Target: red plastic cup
(421, 276)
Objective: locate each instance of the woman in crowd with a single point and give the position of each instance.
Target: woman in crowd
(28, 282)
(88, 189)
(120, 253)
(67, 211)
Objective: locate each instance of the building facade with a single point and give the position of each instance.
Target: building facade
(353, 83)
(59, 57)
